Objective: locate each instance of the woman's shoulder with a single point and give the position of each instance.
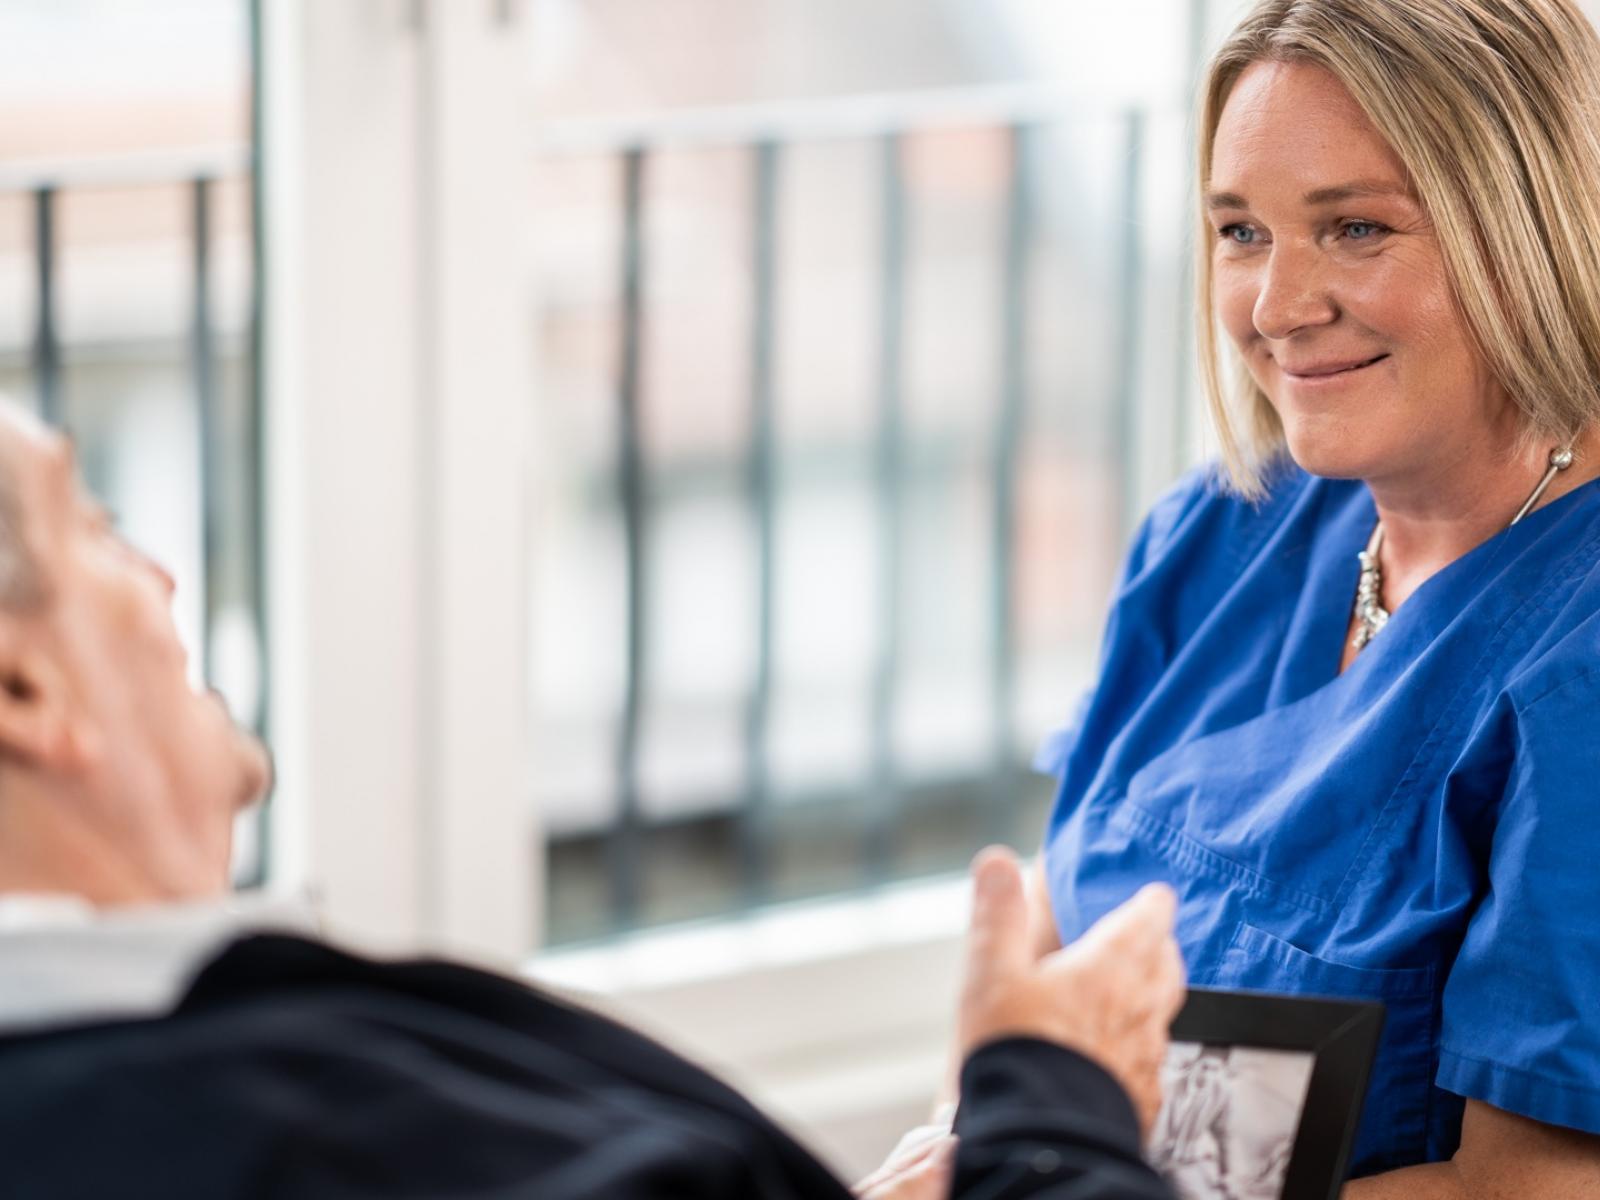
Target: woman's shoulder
(1194, 544)
(1564, 660)
(1202, 517)
(1563, 589)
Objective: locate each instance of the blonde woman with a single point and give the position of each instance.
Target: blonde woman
(1349, 703)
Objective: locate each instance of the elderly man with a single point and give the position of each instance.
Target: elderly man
(156, 1042)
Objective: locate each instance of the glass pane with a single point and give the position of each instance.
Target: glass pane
(876, 750)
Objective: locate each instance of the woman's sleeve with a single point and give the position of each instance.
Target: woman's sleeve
(1521, 1020)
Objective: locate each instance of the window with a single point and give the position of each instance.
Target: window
(849, 402)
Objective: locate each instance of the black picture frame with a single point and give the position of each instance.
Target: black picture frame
(1342, 1037)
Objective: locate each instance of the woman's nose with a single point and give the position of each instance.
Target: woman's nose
(1293, 294)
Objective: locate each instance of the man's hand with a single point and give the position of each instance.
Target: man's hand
(1110, 996)
(920, 1173)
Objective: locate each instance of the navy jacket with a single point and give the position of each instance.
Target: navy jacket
(292, 1069)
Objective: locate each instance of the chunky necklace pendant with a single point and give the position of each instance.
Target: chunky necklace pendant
(1371, 616)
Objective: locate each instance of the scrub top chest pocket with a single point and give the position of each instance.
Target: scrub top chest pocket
(1395, 1121)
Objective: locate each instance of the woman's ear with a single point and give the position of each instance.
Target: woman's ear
(37, 723)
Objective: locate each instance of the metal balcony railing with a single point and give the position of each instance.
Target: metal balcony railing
(765, 135)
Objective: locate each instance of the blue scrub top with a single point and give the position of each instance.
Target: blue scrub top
(1423, 829)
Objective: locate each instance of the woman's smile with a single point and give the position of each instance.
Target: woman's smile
(1328, 374)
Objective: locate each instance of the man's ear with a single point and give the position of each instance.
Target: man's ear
(36, 717)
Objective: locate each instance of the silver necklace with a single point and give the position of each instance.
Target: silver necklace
(1371, 616)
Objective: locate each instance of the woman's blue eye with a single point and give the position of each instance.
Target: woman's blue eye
(1363, 231)
(1242, 235)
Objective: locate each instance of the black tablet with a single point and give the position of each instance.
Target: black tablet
(1262, 1095)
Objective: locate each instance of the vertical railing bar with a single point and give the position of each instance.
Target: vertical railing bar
(625, 850)
(885, 800)
(253, 460)
(203, 364)
(1130, 272)
(1002, 813)
(756, 832)
(46, 340)
(1183, 415)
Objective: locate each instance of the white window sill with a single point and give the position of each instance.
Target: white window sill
(787, 935)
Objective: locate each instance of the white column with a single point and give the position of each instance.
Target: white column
(484, 861)
(397, 380)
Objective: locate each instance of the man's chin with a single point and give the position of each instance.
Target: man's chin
(255, 770)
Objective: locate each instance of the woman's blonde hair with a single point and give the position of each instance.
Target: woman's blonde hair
(1494, 108)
